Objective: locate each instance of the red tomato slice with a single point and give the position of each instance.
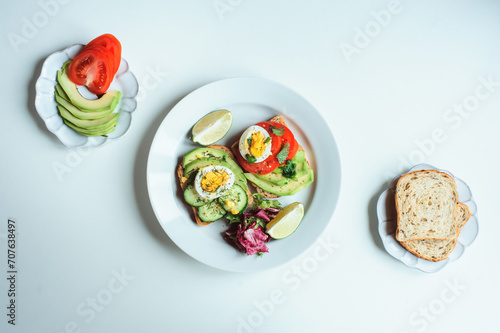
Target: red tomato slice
(276, 141)
(286, 137)
(112, 46)
(260, 168)
(108, 55)
(92, 69)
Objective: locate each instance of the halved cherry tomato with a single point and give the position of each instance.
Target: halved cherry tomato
(92, 69)
(112, 46)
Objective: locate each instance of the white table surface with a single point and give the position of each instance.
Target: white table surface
(386, 75)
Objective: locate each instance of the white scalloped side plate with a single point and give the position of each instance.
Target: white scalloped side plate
(386, 213)
(46, 105)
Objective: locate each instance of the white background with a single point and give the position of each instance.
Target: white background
(383, 101)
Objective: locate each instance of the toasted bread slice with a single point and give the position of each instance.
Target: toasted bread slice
(426, 206)
(184, 182)
(434, 249)
(234, 147)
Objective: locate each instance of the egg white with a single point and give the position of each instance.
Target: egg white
(221, 190)
(245, 148)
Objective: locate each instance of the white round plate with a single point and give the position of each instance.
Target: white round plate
(46, 105)
(251, 100)
(386, 212)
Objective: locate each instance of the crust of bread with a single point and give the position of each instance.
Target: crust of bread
(435, 249)
(234, 147)
(183, 182)
(401, 230)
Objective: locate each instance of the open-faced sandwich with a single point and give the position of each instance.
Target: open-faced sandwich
(213, 183)
(273, 160)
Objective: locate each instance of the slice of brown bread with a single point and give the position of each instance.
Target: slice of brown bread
(435, 249)
(184, 182)
(426, 206)
(235, 147)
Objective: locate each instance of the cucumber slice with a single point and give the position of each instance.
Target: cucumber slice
(235, 200)
(211, 211)
(193, 198)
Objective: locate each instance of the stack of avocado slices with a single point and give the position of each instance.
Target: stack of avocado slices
(87, 117)
(276, 183)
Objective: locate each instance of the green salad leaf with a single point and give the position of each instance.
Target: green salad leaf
(279, 131)
(283, 154)
(263, 203)
(289, 169)
(250, 158)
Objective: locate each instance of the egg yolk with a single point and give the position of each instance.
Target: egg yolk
(258, 145)
(212, 180)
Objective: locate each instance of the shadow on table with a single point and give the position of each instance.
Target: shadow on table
(31, 100)
(140, 182)
(372, 214)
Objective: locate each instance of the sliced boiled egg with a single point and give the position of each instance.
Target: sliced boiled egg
(213, 181)
(256, 142)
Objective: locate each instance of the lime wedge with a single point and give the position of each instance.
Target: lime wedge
(286, 222)
(212, 127)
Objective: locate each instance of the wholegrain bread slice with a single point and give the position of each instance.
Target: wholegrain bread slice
(235, 147)
(426, 206)
(183, 181)
(435, 249)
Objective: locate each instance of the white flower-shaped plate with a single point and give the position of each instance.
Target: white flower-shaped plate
(386, 213)
(46, 105)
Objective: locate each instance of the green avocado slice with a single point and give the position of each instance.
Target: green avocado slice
(291, 188)
(210, 153)
(61, 93)
(107, 101)
(279, 179)
(80, 113)
(213, 153)
(276, 177)
(97, 132)
(87, 124)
